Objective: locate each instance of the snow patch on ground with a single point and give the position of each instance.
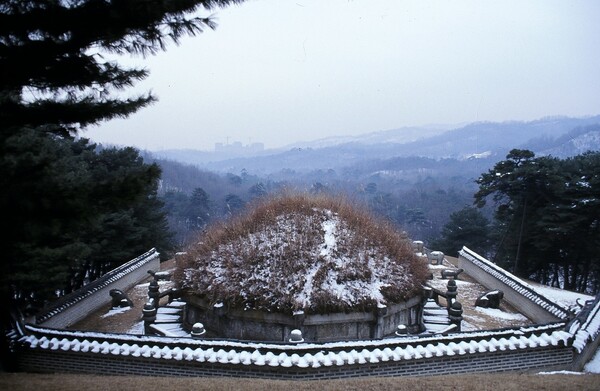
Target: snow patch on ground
(593, 366)
(304, 296)
(566, 299)
(115, 311)
(137, 329)
(499, 314)
(560, 373)
(476, 318)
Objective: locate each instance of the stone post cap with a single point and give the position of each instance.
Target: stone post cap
(198, 330)
(401, 330)
(149, 312)
(296, 336)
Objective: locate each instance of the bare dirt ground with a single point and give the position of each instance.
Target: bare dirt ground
(124, 321)
(483, 382)
(475, 318)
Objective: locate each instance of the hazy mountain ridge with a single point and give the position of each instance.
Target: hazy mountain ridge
(415, 184)
(557, 136)
(576, 142)
(398, 136)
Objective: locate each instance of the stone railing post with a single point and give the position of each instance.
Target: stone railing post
(299, 318)
(451, 293)
(149, 316)
(153, 293)
(436, 258)
(417, 246)
(380, 314)
(455, 314)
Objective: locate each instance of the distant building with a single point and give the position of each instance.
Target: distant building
(237, 148)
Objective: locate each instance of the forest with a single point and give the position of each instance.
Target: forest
(417, 200)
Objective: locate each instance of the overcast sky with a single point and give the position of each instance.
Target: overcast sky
(281, 71)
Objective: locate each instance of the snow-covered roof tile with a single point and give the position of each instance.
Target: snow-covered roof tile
(588, 328)
(301, 355)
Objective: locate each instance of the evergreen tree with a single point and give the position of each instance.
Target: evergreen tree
(568, 229)
(131, 218)
(75, 213)
(257, 190)
(45, 204)
(54, 81)
(512, 184)
(467, 227)
(198, 211)
(233, 204)
(547, 215)
(53, 71)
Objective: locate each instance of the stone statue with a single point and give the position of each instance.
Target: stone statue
(490, 299)
(120, 299)
(447, 273)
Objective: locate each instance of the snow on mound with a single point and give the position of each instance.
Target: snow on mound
(301, 253)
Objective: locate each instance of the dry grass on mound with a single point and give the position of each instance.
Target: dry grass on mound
(299, 251)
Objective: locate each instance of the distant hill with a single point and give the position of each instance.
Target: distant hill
(557, 136)
(576, 142)
(397, 136)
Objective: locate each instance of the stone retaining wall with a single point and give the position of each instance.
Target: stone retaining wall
(73, 307)
(545, 347)
(516, 292)
(539, 359)
(275, 327)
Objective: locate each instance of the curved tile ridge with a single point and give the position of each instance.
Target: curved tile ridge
(516, 284)
(98, 284)
(302, 355)
(586, 329)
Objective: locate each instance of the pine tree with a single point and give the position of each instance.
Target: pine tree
(547, 215)
(512, 184)
(45, 204)
(568, 228)
(198, 209)
(466, 227)
(53, 71)
(55, 80)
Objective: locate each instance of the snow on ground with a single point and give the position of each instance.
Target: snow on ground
(329, 245)
(497, 313)
(593, 366)
(566, 299)
(137, 329)
(115, 311)
(560, 373)
(476, 318)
